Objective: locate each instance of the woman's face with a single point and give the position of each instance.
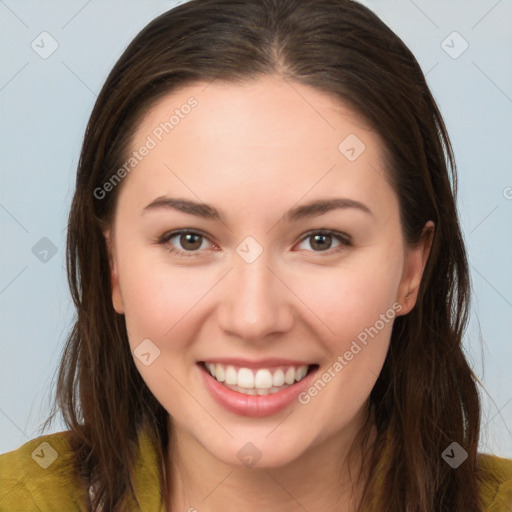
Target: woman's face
(258, 286)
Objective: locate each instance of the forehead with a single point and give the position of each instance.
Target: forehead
(264, 138)
(272, 112)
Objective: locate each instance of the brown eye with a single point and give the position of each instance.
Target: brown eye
(185, 243)
(320, 242)
(325, 241)
(190, 241)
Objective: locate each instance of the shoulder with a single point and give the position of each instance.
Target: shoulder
(40, 476)
(495, 482)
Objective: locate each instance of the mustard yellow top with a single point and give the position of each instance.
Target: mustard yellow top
(36, 477)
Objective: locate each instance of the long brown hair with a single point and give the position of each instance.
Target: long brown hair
(426, 396)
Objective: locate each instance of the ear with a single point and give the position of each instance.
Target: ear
(416, 258)
(117, 300)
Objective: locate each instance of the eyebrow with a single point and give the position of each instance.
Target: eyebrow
(203, 210)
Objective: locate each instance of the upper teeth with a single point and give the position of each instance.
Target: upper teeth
(262, 378)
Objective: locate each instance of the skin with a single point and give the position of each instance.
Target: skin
(253, 152)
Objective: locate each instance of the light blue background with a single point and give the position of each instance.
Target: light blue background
(45, 104)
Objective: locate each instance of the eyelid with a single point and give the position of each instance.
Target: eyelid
(171, 234)
(343, 237)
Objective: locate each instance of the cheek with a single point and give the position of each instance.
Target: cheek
(353, 295)
(160, 302)
(357, 304)
(158, 297)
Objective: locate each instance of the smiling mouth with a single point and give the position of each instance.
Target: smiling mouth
(260, 381)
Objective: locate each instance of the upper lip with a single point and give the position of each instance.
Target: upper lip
(260, 363)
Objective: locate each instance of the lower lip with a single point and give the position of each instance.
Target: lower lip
(255, 405)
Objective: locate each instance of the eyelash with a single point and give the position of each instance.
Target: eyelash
(345, 241)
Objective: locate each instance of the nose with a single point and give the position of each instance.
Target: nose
(255, 302)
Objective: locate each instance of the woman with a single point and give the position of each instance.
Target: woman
(263, 234)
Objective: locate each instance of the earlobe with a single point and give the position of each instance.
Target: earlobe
(117, 300)
(415, 262)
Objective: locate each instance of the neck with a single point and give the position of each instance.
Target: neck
(317, 480)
